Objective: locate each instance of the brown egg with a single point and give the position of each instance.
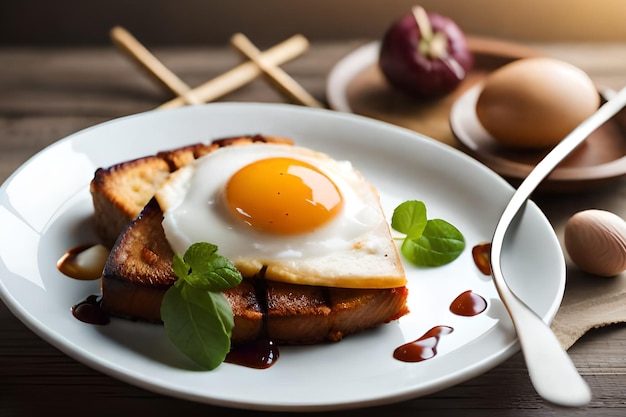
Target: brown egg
(596, 242)
(535, 102)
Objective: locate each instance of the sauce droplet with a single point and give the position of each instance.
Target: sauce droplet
(481, 254)
(423, 348)
(90, 311)
(260, 354)
(468, 304)
(84, 262)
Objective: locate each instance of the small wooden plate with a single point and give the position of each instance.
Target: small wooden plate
(356, 85)
(601, 158)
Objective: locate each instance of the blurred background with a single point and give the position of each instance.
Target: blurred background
(193, 22)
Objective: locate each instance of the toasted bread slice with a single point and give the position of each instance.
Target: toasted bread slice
(139, 272)
(121, 191)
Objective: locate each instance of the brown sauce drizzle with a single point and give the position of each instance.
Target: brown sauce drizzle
(90, 311)
(468, 304)
(83, 262)
(481, 254)
(423, 348)
(260, 354)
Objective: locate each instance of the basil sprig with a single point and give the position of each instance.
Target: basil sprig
(428, 242)
(196, 314)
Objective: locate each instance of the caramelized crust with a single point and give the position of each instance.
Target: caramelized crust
(139, 270)
(296, 313)
(247, 312)
(177, 158)
(354, 311)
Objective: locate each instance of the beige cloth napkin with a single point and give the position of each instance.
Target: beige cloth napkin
(589, 302)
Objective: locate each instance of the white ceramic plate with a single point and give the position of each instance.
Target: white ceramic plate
(45, 209)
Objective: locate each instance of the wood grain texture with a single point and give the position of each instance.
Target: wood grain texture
(46, 94)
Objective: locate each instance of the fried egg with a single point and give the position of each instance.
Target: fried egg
(295, 213)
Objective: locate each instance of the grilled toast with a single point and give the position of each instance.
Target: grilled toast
(139, 271)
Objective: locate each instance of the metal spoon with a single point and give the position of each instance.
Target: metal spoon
(551, 370)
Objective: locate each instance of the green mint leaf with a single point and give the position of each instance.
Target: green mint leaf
(221, 276)
(410, 218)
(198, 322)
(181, 268)
(207, 270)
(199, 251)
(197, 317)
(439, 244)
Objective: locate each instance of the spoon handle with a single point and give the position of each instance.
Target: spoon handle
(551, 370)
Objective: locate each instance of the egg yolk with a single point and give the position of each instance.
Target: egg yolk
(283, 196)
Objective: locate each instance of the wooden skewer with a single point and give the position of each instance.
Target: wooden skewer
(283, 81)
(245, 72)
(155, 68)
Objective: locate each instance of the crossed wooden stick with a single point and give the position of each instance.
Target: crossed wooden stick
(259, 63)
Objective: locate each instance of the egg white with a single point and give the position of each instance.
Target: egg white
(354, 249)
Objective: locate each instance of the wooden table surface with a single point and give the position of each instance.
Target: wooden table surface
(46, 94)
